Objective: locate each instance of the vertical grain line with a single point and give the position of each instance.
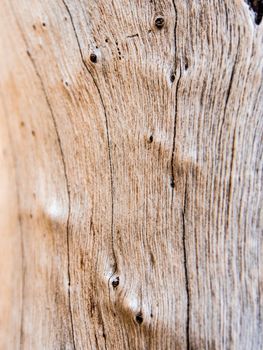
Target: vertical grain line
(64, 169)
(19, 222)
(68, 189)
(229, 90)
(230, 185)
(108, 138)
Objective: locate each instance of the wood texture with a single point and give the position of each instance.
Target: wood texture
(131, 174)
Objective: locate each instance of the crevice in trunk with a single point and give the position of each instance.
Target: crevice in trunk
(257, 7)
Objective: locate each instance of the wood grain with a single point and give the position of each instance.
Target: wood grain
(131, 174)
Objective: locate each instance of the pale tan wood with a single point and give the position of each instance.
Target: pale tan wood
(131, 175)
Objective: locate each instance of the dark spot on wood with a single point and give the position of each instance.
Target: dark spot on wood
(186, 65)
(139, 318)
(65, 18)
(118, 49)
(34, 27)
(133, 35)
(106, 40)
(31, 216)
(43, 24)
(151, 315)
(159, 22)
(33, 133)
(92, 307)
(82, 265)
(172, 184)
(115, 282)
(172, 77)
(93, 58)
(150, 139)
(66, 83)
(22, 124)
(152, 259)
(257, 7)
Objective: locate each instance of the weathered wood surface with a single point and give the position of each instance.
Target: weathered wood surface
(131, 174)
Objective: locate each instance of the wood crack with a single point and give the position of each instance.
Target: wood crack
(172, 181)
(133, 36)
(108, 141)
(186, 271)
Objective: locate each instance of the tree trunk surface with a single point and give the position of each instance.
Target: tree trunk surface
(131, 174)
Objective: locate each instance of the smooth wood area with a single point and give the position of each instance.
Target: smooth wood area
(131, 174)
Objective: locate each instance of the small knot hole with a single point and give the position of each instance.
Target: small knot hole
(93, 58)
(159, 22)
(139, 318)
(115, 282)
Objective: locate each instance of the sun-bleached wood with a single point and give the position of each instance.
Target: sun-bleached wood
(131, 175)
